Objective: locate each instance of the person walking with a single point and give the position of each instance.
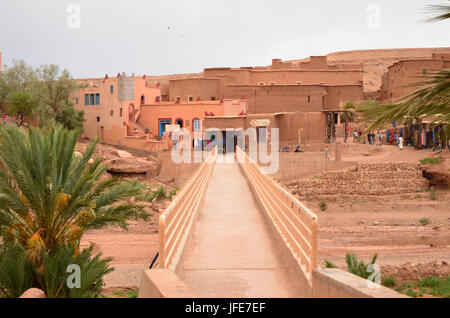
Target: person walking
(379, 138)
(400, 142)
(355, 136)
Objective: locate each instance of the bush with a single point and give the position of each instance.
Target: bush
(359, 268)
(425, 221)
(323, 205)
(18, 273)
(389, 281)
(430, 281)
(329, 264)
(431, 160)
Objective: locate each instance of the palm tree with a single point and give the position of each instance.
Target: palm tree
(439, 12)
(49, 197)
(431, 101)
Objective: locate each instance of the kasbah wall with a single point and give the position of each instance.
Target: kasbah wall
(298, 97)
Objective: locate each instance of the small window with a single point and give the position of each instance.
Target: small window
(323, 101)
(424, 72)
(261, 84)
(86, 99)
(273, 83)
(92, 101)
(97, 99)
(213, 97)
(191, 98)
(120, 112)
(142, 99)
(112, 113)
(98, 119)
(76, 100)
(178, 98)
(111, 89)
(196, 124)
(309, 98)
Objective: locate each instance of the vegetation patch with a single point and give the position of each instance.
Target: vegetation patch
(431, 160)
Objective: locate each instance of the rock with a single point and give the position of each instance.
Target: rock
(33, 293)
(133, 166)
(122, 153)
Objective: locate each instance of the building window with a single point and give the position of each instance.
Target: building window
(120, 112)
(273, 83)
(195, 124)
(97, 99)
(86, 99)
(261, 84)
(190, 98)
(98, 119)
(213, 97)
(309, 98)
(424, 72)
(179, 122)
(142, 99)
(76, 100)
(323, 101)
(112, 113)
(92, 99)
(111, 89)
(178, 98)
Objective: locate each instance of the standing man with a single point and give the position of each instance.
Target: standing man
(327, 155)
(400, 142)
(4, 120)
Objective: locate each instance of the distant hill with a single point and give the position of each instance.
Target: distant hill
(376, 62)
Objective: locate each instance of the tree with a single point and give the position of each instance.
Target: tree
(13, 79)
(52, 92)
(21, 106)
(48, 88)
(431, 101)
(49, 197)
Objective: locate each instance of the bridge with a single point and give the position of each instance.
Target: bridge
(233, 232)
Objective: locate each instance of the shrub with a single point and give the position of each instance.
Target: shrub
(329, 264)
(431, 160)
(389, 281)
(430, 281)
(160, 193)
(16, 274)
(425, 221)
(323, 205)
(358, 268)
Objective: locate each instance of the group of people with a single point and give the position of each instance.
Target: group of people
(372, 138)
(286, 148)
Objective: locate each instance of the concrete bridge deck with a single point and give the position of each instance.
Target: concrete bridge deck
(231, 252)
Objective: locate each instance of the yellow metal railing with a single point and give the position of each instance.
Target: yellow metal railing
(175, 223)
(295, 223)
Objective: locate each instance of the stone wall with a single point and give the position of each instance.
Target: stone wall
(366, 179)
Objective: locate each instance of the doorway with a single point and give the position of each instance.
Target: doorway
(162, 126)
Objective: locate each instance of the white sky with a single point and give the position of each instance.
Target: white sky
(183, 36)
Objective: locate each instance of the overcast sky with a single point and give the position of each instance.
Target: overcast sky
(183, 36)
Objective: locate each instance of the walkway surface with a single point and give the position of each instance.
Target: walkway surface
(231, 253)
